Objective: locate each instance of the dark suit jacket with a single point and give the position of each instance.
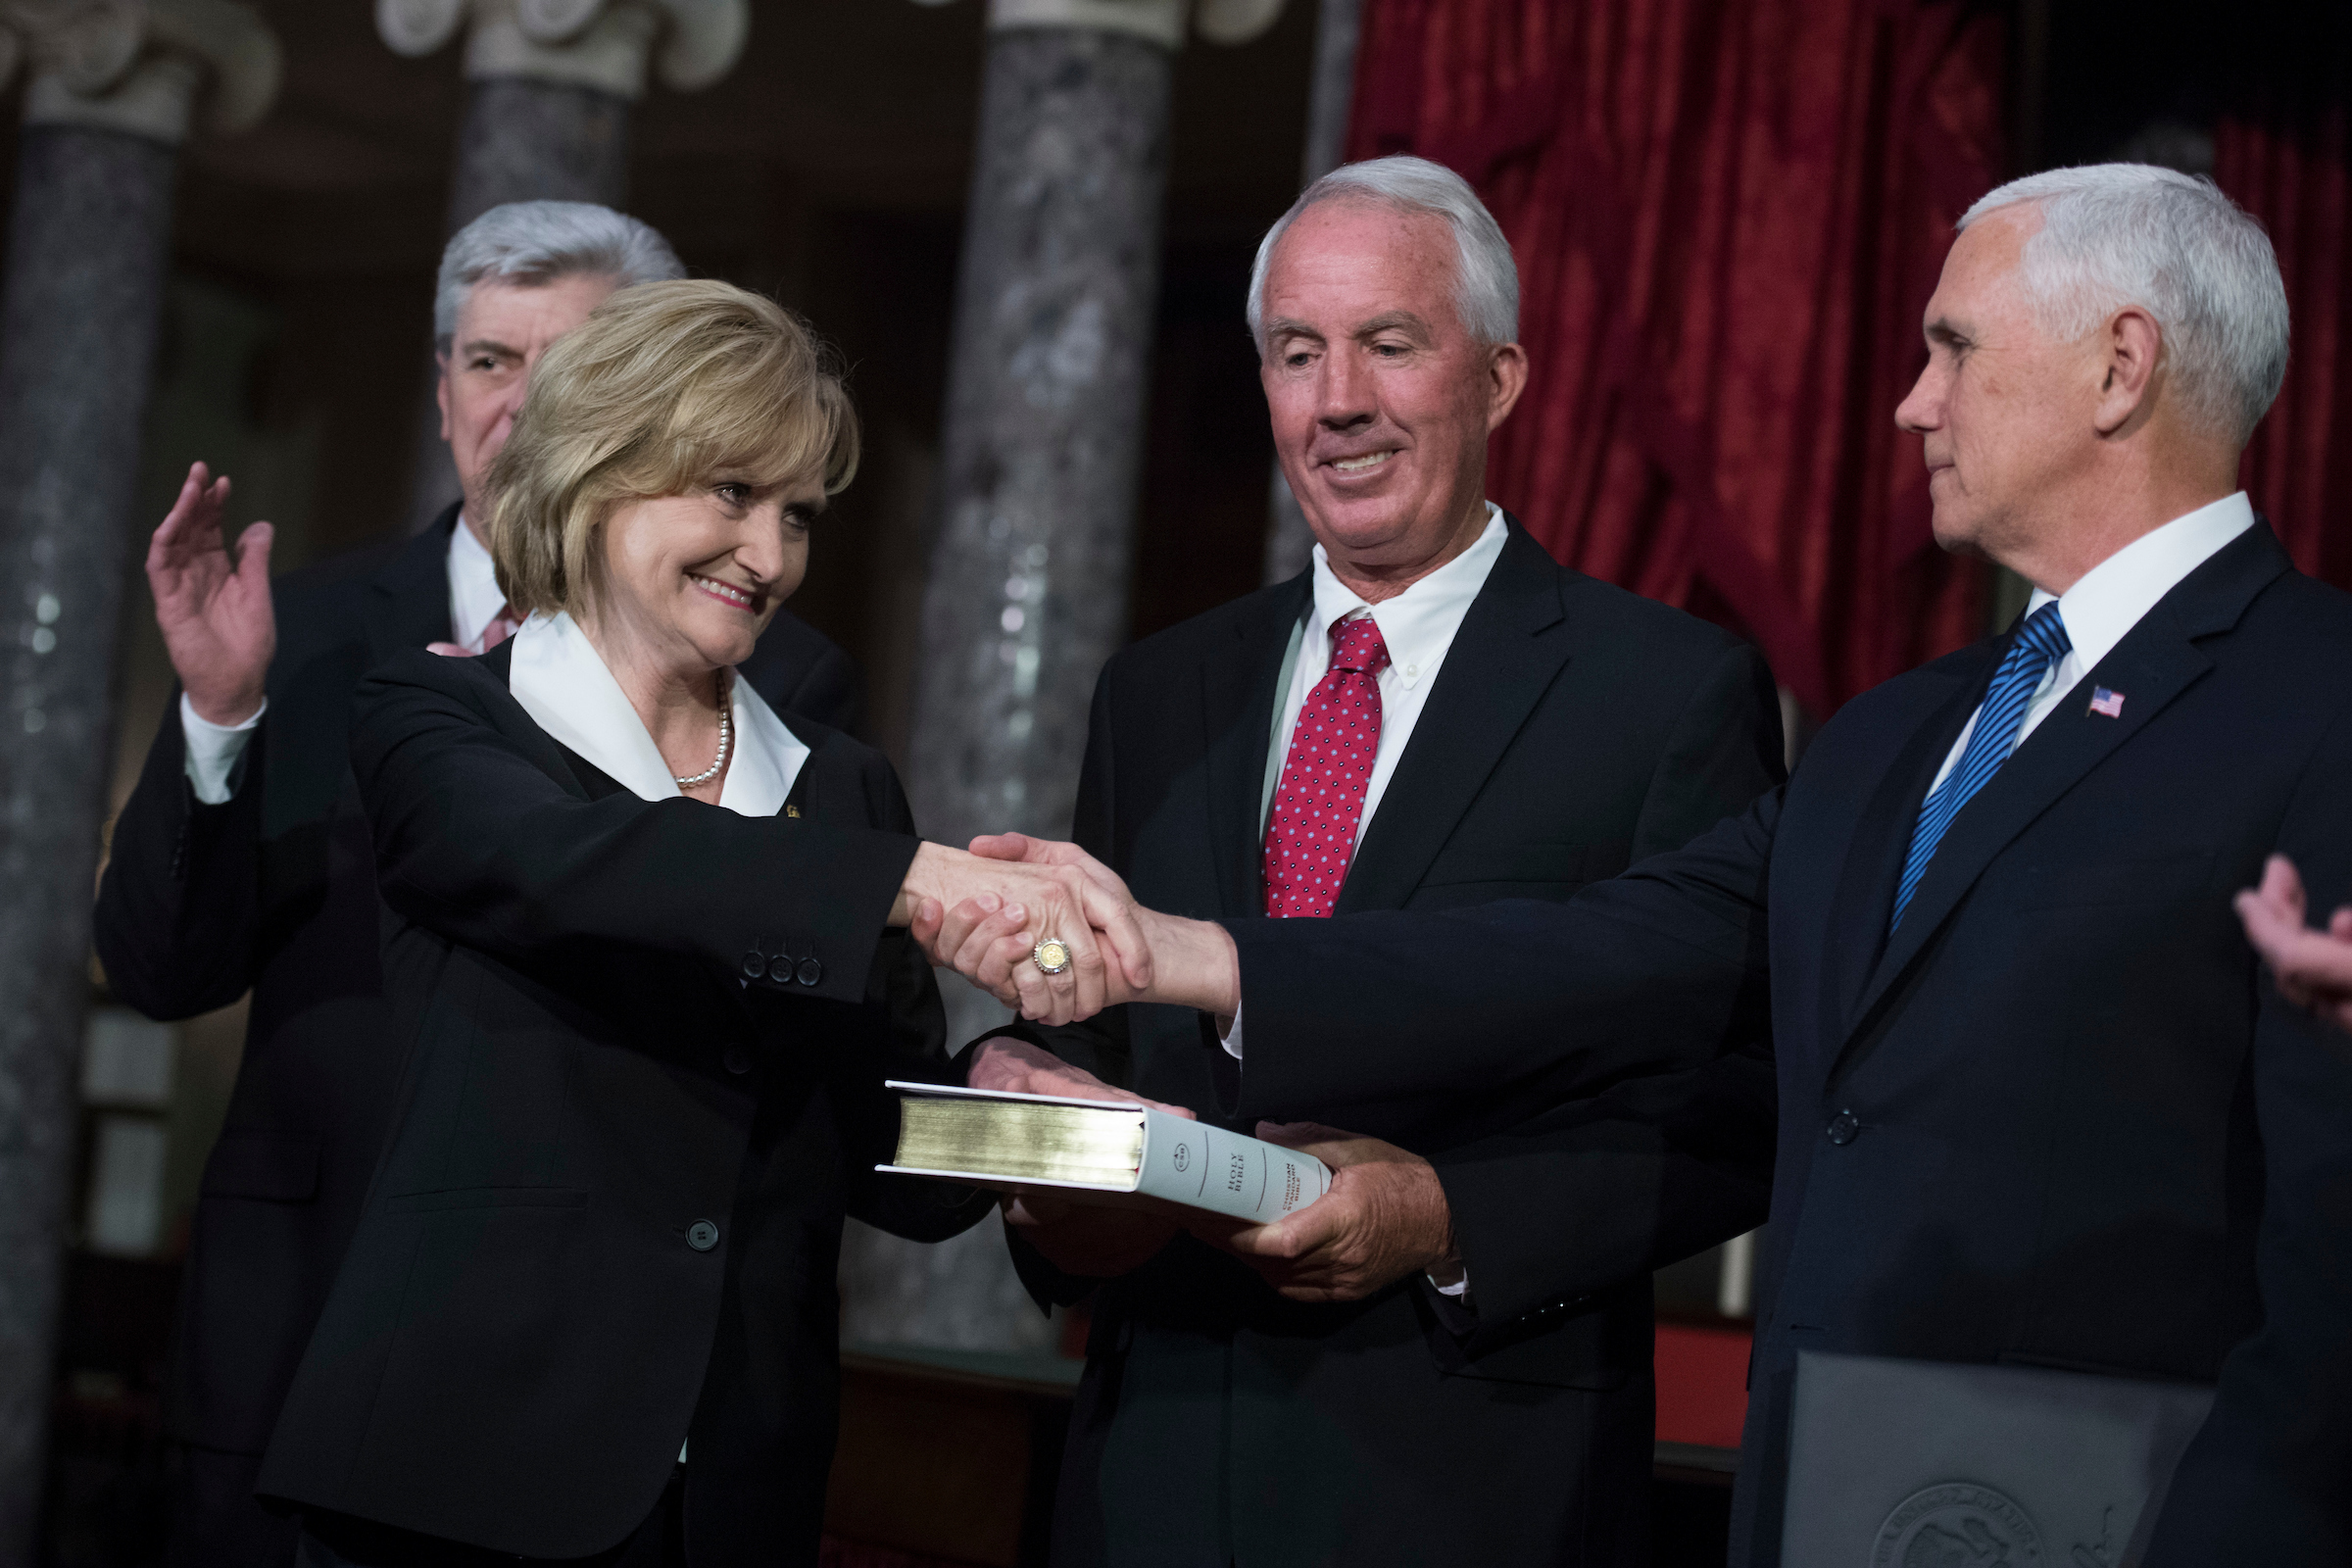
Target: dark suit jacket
(274, 892)
(646, 1047)
(1573, 729)
(2058, 1119)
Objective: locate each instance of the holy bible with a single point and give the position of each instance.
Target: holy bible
(1098, 1150)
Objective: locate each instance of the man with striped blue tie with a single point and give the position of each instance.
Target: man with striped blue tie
(2040, 1107)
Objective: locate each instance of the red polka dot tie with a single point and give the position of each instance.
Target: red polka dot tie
(1310, 837)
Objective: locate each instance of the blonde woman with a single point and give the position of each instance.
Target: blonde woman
(644, 939)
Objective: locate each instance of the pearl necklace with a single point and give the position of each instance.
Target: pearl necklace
(726, 736)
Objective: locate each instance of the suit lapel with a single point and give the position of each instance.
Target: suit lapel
(1501, 663)
(408, 605)
(1882, 839)
(1236, 713)
(2154, 664)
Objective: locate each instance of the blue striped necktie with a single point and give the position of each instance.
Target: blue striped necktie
(2041, 643)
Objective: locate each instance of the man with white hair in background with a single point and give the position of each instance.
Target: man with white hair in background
(2040, 1111)
(242, 860)
(1435, 714)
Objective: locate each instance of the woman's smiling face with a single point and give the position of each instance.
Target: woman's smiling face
(691, 580)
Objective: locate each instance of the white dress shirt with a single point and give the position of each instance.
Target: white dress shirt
(1418, 627)
(474, 597)
(561, 680)
(2109, 600)
(212, 751)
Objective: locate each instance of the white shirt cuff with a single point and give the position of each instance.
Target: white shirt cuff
(1459, 1289)
(1230, 1039)
(214, 749)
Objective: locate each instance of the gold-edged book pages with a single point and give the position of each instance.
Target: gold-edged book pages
(1022, 1140)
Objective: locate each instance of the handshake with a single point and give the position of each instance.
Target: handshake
(988, 913)
(996, 914)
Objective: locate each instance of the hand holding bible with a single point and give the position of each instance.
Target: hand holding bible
(1089, 1240)
(1385, 1217)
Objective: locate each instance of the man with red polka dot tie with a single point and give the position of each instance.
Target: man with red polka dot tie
(1432, 715)
(1320, 800)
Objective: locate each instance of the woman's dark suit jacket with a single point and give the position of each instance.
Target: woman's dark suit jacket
(643, 1086)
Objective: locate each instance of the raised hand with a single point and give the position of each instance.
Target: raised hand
(2312, 966)
(1385, 1217)
(214, 611)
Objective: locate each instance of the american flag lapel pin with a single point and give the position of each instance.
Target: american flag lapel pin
(2106, 702)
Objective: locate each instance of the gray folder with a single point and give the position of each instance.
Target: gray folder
(1938, 1465)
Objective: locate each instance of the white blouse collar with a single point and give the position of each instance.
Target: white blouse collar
(561, 680)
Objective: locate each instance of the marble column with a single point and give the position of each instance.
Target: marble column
(1033, 531)
(110, 96)
(1290, 543)
(552, 85)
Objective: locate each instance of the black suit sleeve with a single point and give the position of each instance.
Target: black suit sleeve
(1660, 1166)
(475, 843)
(178, 920)
(2265, 1481)
(1658, 971)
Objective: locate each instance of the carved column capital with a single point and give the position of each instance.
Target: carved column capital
(141, 66)
(605, 45)
(1162, 21)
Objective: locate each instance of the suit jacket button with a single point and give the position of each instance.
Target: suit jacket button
(811, 971)
(755, 964)
(738, 1059)
(702, 1235)
(1842, 1127)
(780, 971)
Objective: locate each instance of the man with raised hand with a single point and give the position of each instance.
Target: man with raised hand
(242, 861)
(2038, 1106)
(1434, 714)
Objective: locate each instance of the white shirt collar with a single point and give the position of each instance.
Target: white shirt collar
(1419, 624)
(2109, 599)
(563, 683)
(475, 598)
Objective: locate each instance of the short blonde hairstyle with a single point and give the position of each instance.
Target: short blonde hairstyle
(666, 387)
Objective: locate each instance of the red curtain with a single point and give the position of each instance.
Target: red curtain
(2282, 154)
(1727, 215)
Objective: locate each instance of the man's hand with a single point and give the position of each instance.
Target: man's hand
(215, 613)
(1385, 1217)
(2313, 966)
(1035, 900)
(988, 941)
